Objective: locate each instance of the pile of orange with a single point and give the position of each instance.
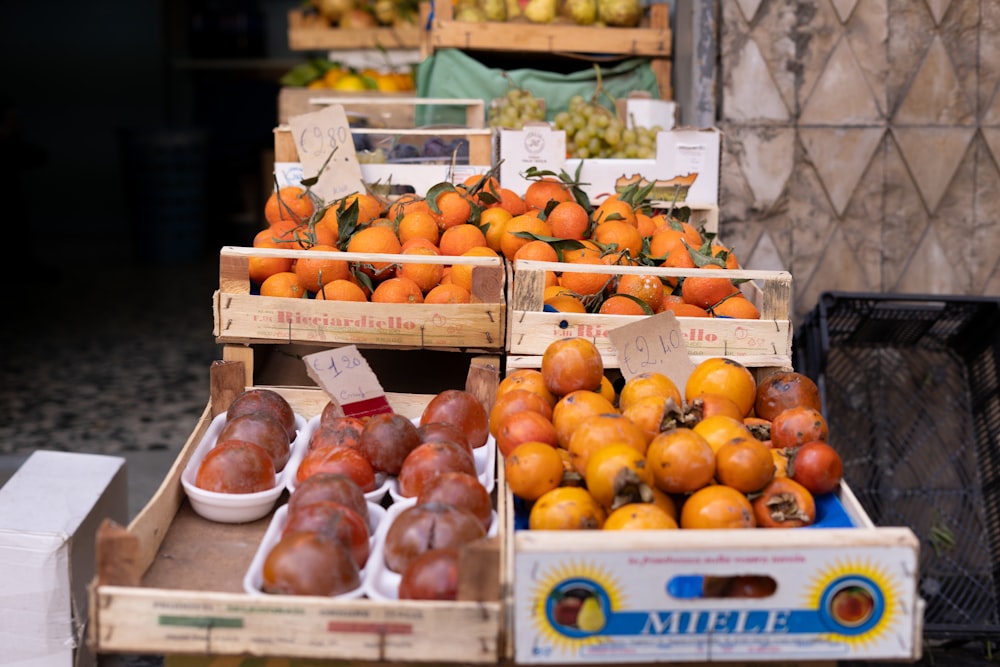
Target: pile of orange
(448, 220)
(723, 451)
(622, 230)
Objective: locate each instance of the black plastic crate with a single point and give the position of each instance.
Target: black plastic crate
(911, 393)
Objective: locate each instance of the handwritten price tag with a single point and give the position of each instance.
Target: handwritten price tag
(346, 376)
(653, 344)
(326, 150)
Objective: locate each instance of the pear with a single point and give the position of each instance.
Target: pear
(582, 12)
(332, 10)
(495, 10)
(620, 13)
(591, 617)
(513, 9)
(541, 11)
(470, 15)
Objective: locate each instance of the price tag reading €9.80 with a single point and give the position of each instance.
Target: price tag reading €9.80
(326, 150)
(348, 379)
(653, 344)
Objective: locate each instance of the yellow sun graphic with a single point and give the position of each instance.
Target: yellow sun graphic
(572, 602)
(856, 600)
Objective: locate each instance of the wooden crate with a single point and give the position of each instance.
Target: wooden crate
(311, 33)
(294, 101)
(246, 318)
(652, 39)
(172, 582)
(755, 343)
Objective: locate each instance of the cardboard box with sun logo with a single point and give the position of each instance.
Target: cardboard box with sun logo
(839, 589)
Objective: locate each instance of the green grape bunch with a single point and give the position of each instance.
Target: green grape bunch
(594, 131)
(517, 107)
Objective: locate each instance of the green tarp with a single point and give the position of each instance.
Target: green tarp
(451, 73)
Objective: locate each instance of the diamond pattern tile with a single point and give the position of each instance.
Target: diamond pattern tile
(894, 182)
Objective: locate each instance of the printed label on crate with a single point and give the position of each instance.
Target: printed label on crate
(326, 149)
(537, 145)
(653, 344)
(667, 606)
(348, 379)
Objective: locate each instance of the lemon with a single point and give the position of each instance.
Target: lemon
(350, 82)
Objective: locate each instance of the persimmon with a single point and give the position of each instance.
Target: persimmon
(781, 390)
(640, 516)
(717, 507)
(533, 469)
(784, 503)
(724, 376)
(569, 364)
(744, 464)
(681, 461)
(796, 426)
(566, 508)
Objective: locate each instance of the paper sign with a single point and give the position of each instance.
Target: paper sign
(653, 344)
(537, 145)
(326, 149)
(346, 376)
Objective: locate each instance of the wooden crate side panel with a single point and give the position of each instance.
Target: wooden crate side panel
(141, 620)
(653, 39)
(480, 141)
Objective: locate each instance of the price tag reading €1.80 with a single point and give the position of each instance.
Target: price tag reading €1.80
(653, 344)
(326, 150)
(348, 379)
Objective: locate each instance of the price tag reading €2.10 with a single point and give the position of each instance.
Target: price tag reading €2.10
(348, 379)
(326, 150)
(653, 344)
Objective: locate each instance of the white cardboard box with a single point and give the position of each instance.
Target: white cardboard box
(685, 156)
(50, 510)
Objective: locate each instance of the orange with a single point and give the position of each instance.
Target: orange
(717, 430)
(375, 240)
(284, 284)
(540, 192)
(619, 236)
(262, 267)
(533, 469)
(529, 379)
(640, 516)
(736, 306)
(681, 461)
(745, 464)
(569, 364)
(369, 206)
(308, 235)
(566, 508)
(539, 251)
(426, 276)
(618, 304)
(614, 208)
(418, 224)
(585, 283)
(289, 203)
(569, 220)
(685, 309)
(341, 290)
(725, 376)
(406, 203)
(599, 431)
(448, 293)
(418, 241)
(574, 408)
(510, 242)
(566, 303)
(453, 207)
(397, 290)
(522, 427)
(706, 292)
(650, 383)
(716, 507)
(314, 273)
(512, 202)
(649, 288)
(461, 274)
(493, 222)
(720, 251)
(459, 239)
(617, 474)
(645, 224)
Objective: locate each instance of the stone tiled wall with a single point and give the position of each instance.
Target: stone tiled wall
(862, 141)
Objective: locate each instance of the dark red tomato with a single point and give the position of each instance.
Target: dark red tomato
(428, 461)
(236, 466)
(264, 401)
(816, 466)
(338, 431)
(345, 460)
(784, 503)
(335, 521)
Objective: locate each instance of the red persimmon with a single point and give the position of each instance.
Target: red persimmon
(817, 466)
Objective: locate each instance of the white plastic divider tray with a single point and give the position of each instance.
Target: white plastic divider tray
(234, 507)
(381, 583)
(253, 580)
